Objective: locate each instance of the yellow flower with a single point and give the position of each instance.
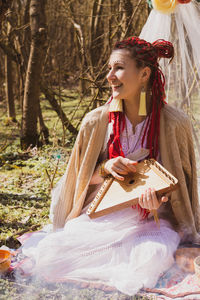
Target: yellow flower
(165, 6)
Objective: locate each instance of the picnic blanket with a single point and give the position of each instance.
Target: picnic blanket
(173, 284)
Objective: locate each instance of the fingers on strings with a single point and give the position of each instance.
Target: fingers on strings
(149, 200)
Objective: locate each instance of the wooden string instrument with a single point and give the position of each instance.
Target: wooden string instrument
(115, 195)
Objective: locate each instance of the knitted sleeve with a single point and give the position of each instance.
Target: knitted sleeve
(69, 195)
(190, 169)
(63, 193)
(184, 139)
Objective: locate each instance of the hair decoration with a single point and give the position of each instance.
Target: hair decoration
(166, 6)
(147, 54)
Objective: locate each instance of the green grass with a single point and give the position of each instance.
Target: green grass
(25, 196)
(25, 184)
(36, 290)
(25, 193)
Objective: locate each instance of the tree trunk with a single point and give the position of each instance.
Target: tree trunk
(96, 31)
(9, 81)
(24, 42)
(4, 6)
(9, 88)
(29, 134)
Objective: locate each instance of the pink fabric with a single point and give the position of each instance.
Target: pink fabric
(134, 139)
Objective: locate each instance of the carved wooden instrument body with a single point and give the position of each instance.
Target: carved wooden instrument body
(115, 195)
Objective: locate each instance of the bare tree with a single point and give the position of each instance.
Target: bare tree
(29, 134)
(4, 6)
(9, 80)
(58, 109)
(80, 38)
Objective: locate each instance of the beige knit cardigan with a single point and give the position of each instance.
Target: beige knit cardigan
(177, 154)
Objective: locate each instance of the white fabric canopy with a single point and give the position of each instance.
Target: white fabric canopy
(182, 28)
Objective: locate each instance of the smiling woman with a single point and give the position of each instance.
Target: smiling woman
(124, 249)
(123, 73)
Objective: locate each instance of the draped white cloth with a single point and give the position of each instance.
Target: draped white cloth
(119, 250)
(182, 28)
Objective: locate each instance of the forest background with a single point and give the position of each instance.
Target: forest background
(53, 65)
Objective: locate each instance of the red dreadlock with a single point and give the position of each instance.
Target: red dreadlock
(145, 54)
(114, 144)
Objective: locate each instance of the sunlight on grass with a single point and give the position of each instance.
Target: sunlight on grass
(25, 188)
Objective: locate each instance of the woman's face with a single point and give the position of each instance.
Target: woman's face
(124, 77)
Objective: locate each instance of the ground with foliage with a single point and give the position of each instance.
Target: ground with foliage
(27, 178)
(26, 181)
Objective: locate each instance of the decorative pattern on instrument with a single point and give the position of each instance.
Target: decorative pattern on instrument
(99, 195)
(151, 161)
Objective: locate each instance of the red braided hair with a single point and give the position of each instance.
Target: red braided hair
(145, 54)
(114, 144)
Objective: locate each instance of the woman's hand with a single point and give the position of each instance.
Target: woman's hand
(120, 166)
(150, 201)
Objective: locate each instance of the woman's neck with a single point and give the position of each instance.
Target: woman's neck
(131, 109)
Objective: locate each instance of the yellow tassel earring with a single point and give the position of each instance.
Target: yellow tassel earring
(116, 105)
(142, 108)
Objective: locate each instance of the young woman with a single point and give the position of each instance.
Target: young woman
(125, 249)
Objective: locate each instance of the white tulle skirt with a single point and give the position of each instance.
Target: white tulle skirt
(118, 250)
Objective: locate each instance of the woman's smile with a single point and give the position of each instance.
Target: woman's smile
(123, 76)
(116, 87)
